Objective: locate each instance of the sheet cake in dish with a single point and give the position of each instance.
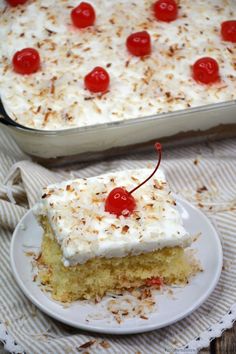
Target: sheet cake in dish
(87, 252)
(54, 98)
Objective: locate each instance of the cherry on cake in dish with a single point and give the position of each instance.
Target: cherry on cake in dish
(228, 31)
(97, 80)
(206, 71)
(16, 2)
(139, 44)
(26, 61)
(166, 10)
(83, 15)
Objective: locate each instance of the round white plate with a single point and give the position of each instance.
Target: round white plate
(95, 317)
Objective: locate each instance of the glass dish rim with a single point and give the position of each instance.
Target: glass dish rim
(7, 120)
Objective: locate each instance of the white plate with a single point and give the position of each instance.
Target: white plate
(95, 317)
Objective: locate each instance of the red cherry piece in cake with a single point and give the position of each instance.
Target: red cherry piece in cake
(206, 70)
(97, 80)
(157, 281)
(26, 61)
(166, 10)
(16, 2)
(139, 43)
(120, 202)
(83, 15)
(228, 31)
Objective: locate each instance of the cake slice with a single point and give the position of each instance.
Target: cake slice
(87, 251)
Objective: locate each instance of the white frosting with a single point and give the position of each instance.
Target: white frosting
(75, 210)
(55, 98)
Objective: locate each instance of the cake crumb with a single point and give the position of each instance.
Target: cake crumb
(105, 344)
(202, 189)
(97, 299)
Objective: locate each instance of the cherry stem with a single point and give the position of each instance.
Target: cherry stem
(158, 148)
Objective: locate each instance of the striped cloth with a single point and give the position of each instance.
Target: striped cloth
(188, 169)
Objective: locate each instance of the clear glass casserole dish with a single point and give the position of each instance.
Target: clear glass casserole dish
(102, 140)
(55, 95)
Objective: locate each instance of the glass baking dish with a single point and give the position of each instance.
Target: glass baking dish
(56, 147)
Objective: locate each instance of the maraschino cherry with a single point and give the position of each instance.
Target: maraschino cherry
(139, 43)
(83, 15)
(26, 61)
(120, 201)
(165, 10)
(155, 281)
(97, 80)
(228, 31)
(206, 71)
(16, 2)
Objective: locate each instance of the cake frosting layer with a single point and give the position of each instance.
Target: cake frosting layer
(84, 230)
(55, 98)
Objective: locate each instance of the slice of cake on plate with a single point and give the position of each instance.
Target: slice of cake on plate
(99, 238)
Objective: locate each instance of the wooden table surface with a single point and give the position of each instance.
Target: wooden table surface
(226, 344)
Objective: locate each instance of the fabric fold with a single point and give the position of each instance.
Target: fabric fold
(33, 177)
(10, 216)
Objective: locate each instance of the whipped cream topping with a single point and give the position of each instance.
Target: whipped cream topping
(55, 98)
(76, 213)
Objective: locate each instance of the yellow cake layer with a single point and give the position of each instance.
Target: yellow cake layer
(101, 275)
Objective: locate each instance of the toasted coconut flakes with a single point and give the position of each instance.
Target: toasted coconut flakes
(125, 229)
(30, 254)
(86, 345)
(202, 189)
(37, 258)
(70, 188)
(89, 98)
(140, 304)
(52, 90)
(105, 344)
(50, 32)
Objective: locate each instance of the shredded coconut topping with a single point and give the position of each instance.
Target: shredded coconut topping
(76, 213)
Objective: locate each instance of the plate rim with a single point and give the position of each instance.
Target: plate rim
(121, 330)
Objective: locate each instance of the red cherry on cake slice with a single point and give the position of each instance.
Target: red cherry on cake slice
(97, 80)
(165, 10)
(157, 281)
(83, 15)
(16, 2)
(120, 201)
(26, 61)
(206, 71)
(228, 31)
(139, 44)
